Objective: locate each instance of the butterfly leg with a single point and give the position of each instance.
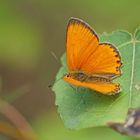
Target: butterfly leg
(72, 87)
(75, 88)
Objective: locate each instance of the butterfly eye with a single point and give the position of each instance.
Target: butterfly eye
(68, 75)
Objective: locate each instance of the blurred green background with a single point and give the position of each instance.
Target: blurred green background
(31, 32)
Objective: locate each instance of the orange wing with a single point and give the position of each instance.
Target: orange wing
(84, 53)
(105, 88)
(104, 60)
(81, 43)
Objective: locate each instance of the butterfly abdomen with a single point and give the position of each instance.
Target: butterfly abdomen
(99, 79)
(87, 78)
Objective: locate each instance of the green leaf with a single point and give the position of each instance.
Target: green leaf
(82, 108)
(49, 127)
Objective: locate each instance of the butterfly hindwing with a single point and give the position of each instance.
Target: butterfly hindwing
(105, 88)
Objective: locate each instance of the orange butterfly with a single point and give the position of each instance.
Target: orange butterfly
(91, 64)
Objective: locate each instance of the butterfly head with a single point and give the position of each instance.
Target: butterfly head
(78, 76)
(67, 76)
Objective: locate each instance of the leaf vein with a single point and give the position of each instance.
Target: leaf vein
(132, 75)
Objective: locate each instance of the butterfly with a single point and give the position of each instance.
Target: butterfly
(91, 64)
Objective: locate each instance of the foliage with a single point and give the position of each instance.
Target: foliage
(88, 108)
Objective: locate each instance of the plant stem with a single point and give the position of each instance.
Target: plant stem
(17, 119)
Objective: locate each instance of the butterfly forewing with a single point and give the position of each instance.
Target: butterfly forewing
(81, 42)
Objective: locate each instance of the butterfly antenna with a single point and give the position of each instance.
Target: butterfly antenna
(50, 86)
(55, 57)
